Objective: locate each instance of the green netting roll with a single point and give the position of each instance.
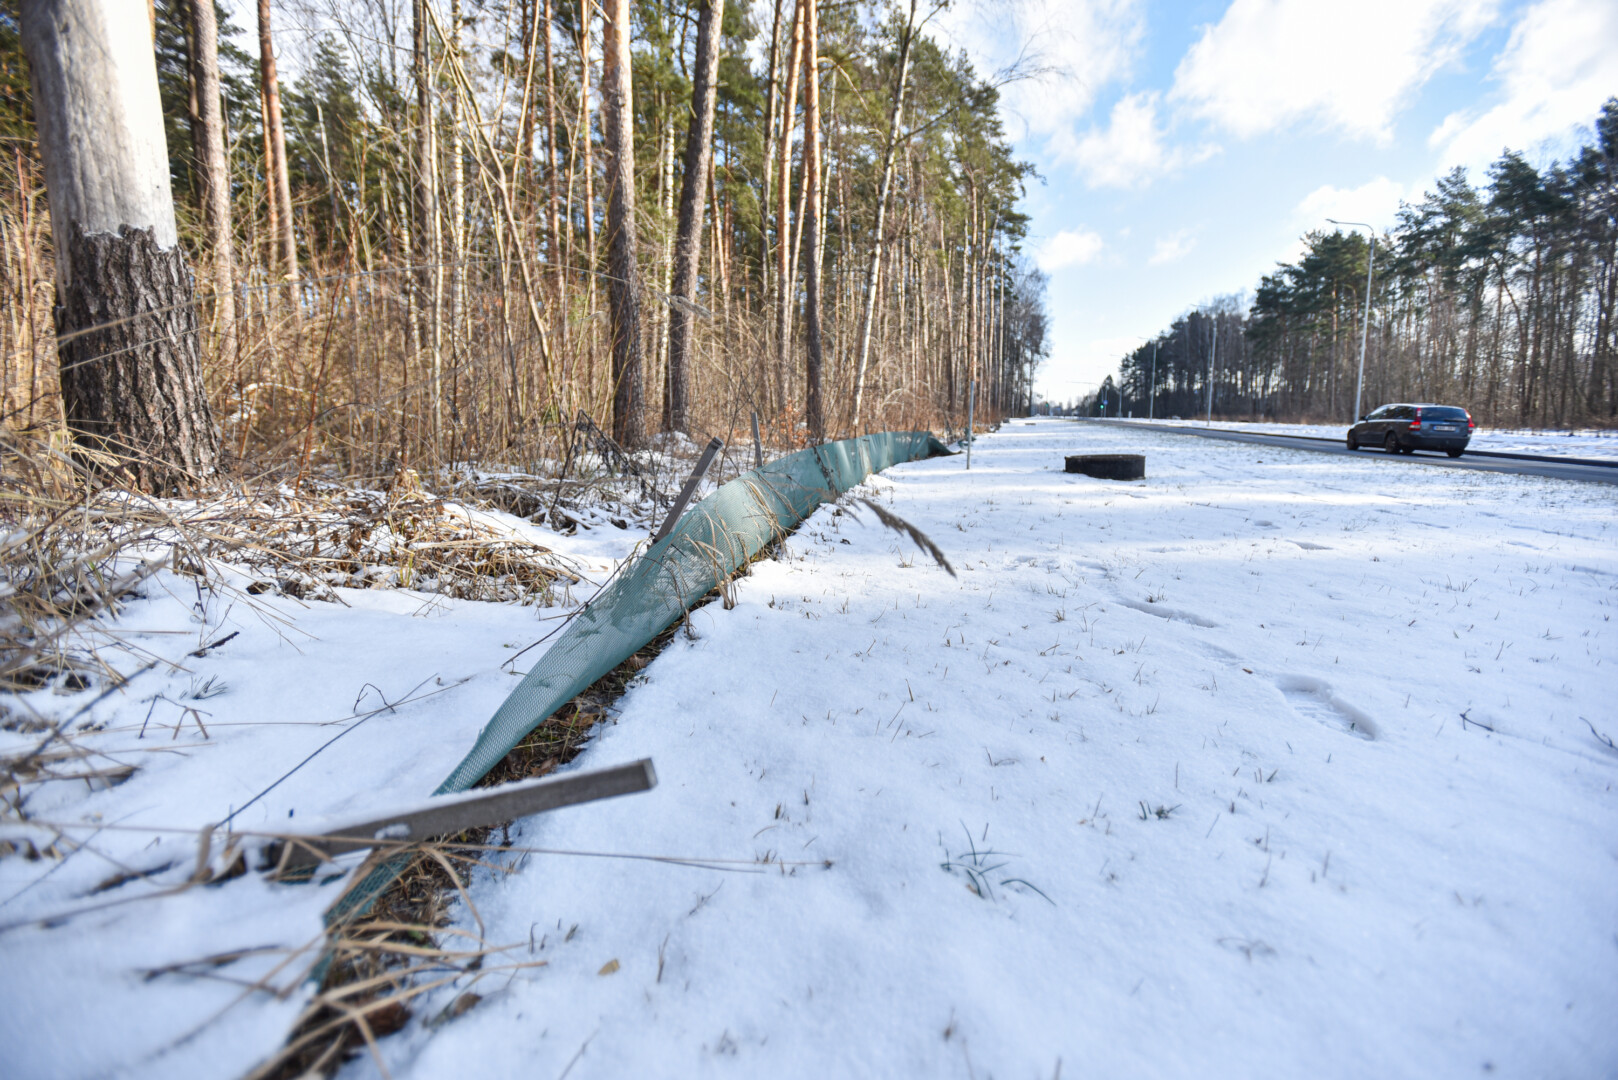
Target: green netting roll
(712, 541)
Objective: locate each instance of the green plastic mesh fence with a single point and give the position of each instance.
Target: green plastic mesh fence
(710, 543)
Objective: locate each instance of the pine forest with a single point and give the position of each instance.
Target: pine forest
(463, 225)
(1501, 297)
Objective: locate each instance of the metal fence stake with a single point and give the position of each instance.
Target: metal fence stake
(452, 814)
(758, 447)
(690, 489)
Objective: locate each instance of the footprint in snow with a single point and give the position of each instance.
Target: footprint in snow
(1307, 546)
(1313, 699)
(1171, 614)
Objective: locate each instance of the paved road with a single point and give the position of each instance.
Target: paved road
(1522, 466)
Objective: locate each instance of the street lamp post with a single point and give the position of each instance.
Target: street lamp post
(1151, 394)
(1365, 327)
(1213, 359)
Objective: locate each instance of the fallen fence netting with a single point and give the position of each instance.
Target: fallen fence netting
(709, 544)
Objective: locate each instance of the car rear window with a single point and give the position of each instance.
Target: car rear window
(1443, 413)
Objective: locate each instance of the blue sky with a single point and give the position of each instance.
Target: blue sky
(1185, 147)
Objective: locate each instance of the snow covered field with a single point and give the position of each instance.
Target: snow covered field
(1272, 764)
(1599, 443)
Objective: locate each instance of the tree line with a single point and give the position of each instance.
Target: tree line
(465, 221)
(1500, 298)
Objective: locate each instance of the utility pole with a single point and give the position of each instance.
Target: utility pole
(1365, 327)
(1213, 354)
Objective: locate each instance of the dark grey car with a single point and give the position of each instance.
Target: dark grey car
(1404, 429)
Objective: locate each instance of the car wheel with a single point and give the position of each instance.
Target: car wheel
(1391, 443)
(1454, 453)
(1352, 444)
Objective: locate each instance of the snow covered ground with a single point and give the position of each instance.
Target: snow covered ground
(1599, 443)
(1173, 778)
(1272, 764)
(309, 712)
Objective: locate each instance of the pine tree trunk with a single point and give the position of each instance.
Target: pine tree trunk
(275, 135)
(208, 139)
(873, 271)
(125, 321)
(784, 285)
(427, 232)
(688, 233)
(623, 281)
(814, 410)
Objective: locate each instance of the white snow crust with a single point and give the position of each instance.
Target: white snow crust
(1273, 764)
(950, 789)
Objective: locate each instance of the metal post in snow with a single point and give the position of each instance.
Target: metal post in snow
(690, 489)
(1213, 353)
(971, 396)
(758, 447)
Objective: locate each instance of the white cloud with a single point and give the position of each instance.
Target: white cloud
(1374, 202)
(1172, 248)
(1557, 69)
(1269, 64)
(1129, 151)
(1070, 247)
(1073, 48)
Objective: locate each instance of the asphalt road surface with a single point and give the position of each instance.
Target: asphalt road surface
(1522, 465)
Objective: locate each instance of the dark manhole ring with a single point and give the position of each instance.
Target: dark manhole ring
(1108, 466)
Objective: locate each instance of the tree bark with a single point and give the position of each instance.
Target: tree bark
(427, 232)
(873, 270)
(623, 280)
(814, 410)
(125, 321)
(275, 135)
(208, 139)
(783, 221)
(688, 233)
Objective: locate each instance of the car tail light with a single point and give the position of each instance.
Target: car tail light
(1470, 423)
(1415, 425)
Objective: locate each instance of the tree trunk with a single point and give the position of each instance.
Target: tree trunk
(814, 412)
(275, 135)
(125, 321)
(623, 280)
(688, 233)
(783, 221)
(427, 232)
(208, 139)
(874, 269)
(553, 228)
(586, 145)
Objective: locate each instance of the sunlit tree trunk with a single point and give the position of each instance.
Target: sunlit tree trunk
(688, 234)
(873, 269)
(125, 322)
(814, 410)
(208, 138)
(275, 134)
(623, 286)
